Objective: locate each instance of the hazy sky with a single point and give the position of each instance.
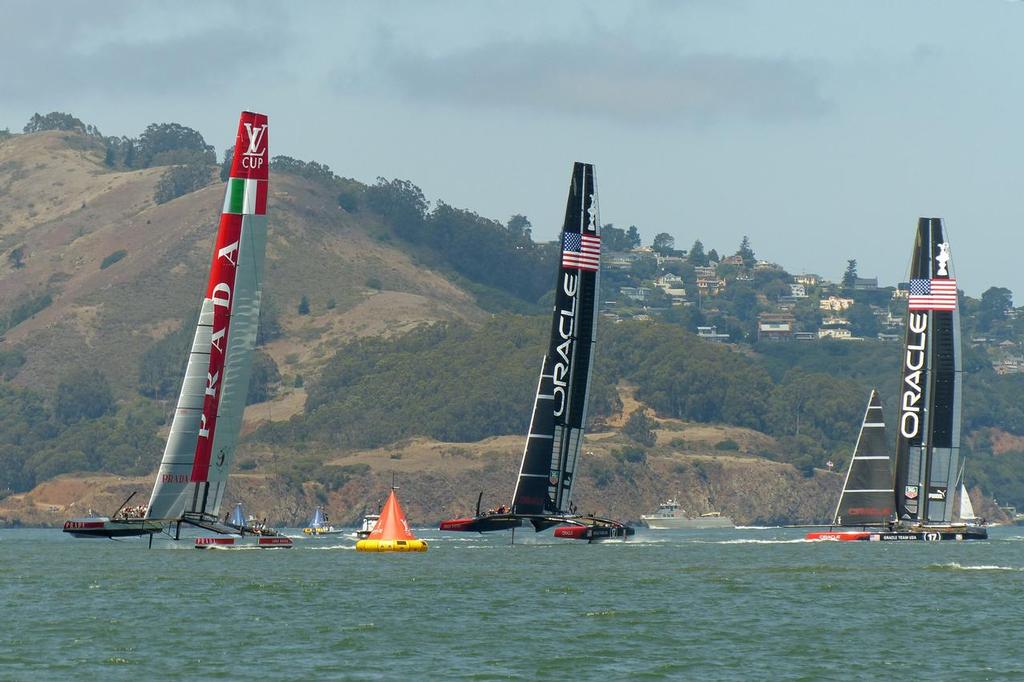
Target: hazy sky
(821, 129)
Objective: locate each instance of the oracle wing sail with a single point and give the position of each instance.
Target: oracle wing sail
(867, 497)
(548, 468)
(204, 433)
(928, 431)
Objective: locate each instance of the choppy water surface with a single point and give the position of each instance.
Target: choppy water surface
(743, 604)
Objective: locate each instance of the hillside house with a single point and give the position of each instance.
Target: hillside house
(835, 321)
(804, 336)
(668, 260)
(711, 334)
(775, 327)
(735, 259)
(902, 291)
(710, 286)
(797, 291)
(763, 265)
(865, 283)
(619, 259)
(706, 271)
(640, 294)
(672, 285)
(835, 334)
(807, 280)
(836, 303)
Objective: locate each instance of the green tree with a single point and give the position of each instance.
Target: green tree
(639, 427)
(520, 229)
(83, 394)
(178, 181)
(863, 321)
(16, 257)
(401, 204)
(746, 253)
(57, 120)
(697, 255)
(664, 243)
(225, 167)
(263, 379)
(992, 308)
(850, 276)
(713, 256)
(614, 239)
(633, 236)
(304, 306)
(172, 143)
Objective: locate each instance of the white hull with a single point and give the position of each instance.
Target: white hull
(682, 522)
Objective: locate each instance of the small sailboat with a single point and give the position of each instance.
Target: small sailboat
(391, 532)
(868, 499)
(548, 470)
(927, 458)
(319, 525)
(193, 474)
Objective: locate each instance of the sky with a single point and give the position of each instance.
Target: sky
(822, 130)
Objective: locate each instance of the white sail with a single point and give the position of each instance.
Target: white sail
(966, 508)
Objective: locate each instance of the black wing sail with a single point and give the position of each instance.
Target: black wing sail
(867, 497)
(548, 470)
(928, 437)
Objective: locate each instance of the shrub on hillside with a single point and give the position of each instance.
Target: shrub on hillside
(178, 181)
(113, 258)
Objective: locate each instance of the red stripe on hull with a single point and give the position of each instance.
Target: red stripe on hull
(840, 536)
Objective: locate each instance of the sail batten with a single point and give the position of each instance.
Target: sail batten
(548, 470)
(867, 497)
(200, 446)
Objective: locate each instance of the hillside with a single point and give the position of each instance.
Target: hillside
(100, 281)
(71, 212)
(440, 479)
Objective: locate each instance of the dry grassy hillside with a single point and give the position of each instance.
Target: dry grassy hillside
(443, 479)
(69, 211)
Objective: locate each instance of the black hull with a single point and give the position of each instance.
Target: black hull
(956, 534)
(482, 524)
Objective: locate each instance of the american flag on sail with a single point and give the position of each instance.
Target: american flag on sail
(932, 294)
(581, 251)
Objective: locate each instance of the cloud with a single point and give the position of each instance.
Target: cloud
(609, 79)
(139, 51)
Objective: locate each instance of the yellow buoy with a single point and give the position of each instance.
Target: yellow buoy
(391, 546)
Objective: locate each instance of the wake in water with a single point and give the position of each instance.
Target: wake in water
(753, 541)
(954, 566)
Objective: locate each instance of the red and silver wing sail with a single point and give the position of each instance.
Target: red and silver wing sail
(548, 470)
(208, 417)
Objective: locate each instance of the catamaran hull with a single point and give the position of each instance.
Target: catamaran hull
(956, 533)
(103, 527)
(482, 524)
(258, 542)
(595, 533)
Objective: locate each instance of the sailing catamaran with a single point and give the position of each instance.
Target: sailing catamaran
(548, 471)
(193, 473)
(927, 460)
(319, 525)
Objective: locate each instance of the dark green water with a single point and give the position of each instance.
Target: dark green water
(744, 604)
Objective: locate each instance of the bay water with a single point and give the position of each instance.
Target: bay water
(719, 605)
